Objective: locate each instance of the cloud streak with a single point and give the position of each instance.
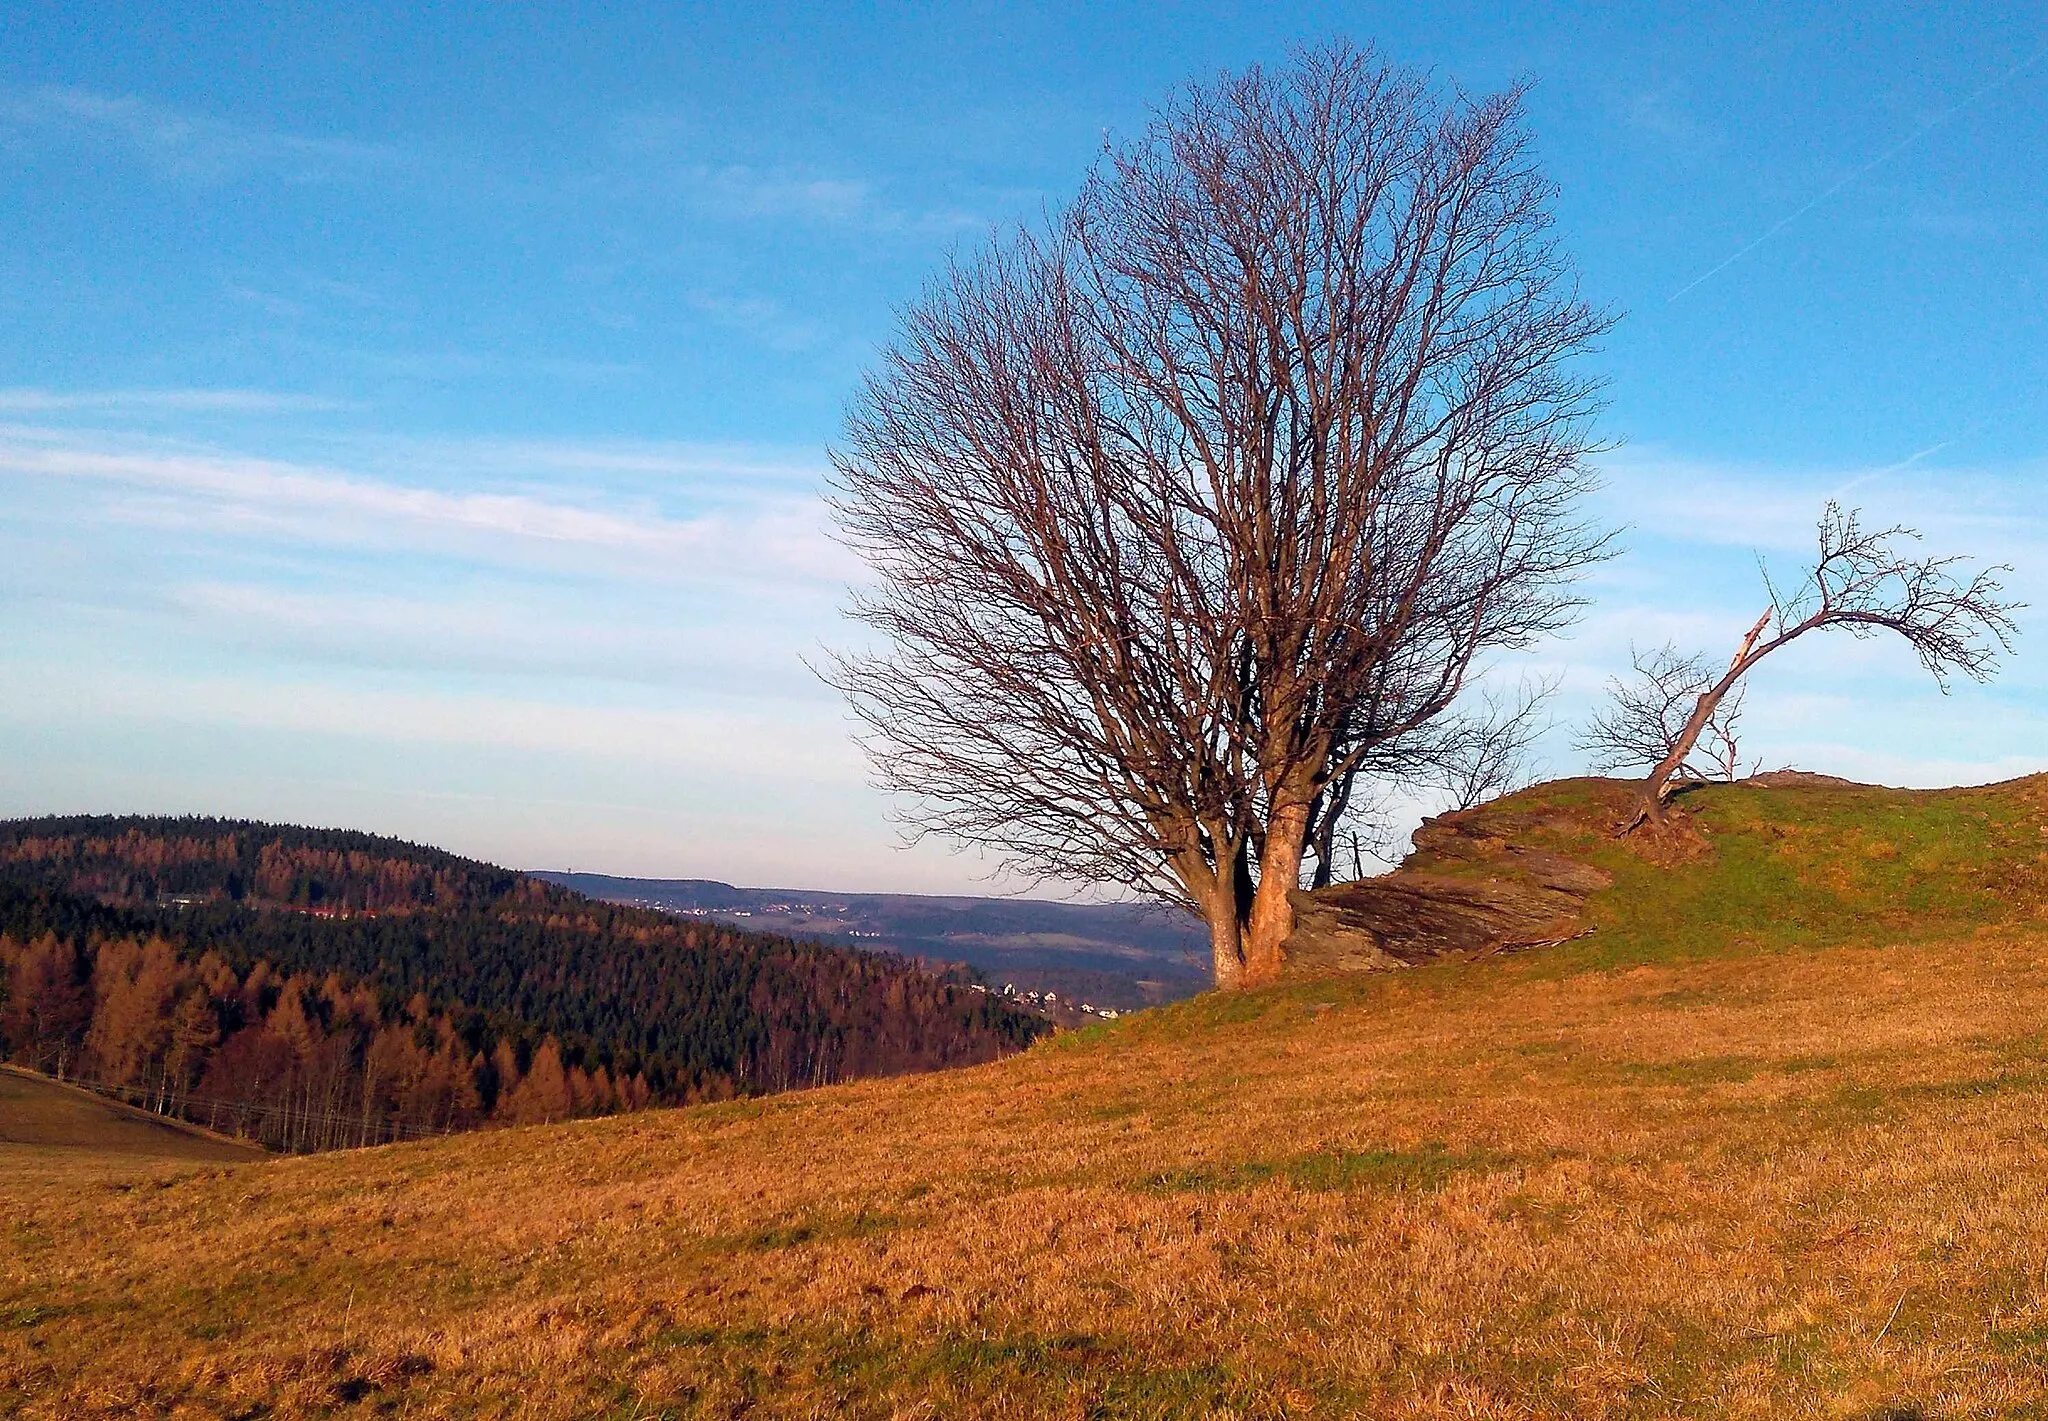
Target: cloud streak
(1989, 513)
(23, 400)
(772, 537)
(178, 144)
(705, 739)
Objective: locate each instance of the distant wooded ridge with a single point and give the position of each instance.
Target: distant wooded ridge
(199, 959)
(1118, 955)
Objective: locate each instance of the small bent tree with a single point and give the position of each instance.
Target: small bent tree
(1862, 581)
(1646, 718)
(1202, 502)
(1467, 758)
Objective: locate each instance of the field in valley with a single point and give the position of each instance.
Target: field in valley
(1771, 1142)
(52, 1133)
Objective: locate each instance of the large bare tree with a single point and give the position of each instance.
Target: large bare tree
(1206, 497)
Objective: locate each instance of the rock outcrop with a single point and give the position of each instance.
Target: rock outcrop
(1468, 891)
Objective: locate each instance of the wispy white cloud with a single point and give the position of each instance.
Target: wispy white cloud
(1666, 113)
(764, 741)
(750, 192)
(765, 321)
(672, 150)
(180, 144)
(460, 364)
(1991, 513)
(120, 402)
(750, 468)
(767, 536)
(505, 628)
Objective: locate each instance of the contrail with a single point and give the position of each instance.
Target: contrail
(1969, 431)
(1885, 157)
(1904, 464)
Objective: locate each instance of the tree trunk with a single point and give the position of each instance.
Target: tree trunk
(1657, 788)
(1226, 940)
(1220, 890)
(1272, 915)
(1328, 811)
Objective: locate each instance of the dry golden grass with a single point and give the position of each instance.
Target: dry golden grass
(1761, 1187)
(1768, 1183)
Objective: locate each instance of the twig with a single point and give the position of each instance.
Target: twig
(1890, 1320)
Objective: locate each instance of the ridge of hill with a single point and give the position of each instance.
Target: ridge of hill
(692, 1010)
(1120, 955)
(1768, 1142)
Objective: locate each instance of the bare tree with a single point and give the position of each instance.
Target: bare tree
(1646, 716)
(1198, 503)
(1862, 581)
(1468, 757)
(1490, 753)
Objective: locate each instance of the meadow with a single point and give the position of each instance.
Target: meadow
(1770, 1142)
(52, 1132)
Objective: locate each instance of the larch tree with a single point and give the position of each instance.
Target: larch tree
(1210, 495)
(48, 1005)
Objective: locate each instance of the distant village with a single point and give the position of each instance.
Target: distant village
(1048, 1002)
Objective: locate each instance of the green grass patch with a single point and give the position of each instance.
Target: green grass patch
(31, 1315)
(1791, 867)
(1420, 1170)
(814, 1229)
(1075, 1038)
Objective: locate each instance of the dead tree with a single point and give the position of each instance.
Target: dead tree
(1646, 716)
(1489, 754)
(1203, 498)
(1955, 621)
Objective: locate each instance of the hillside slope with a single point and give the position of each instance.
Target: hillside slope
(1769, 1142)
(56, 1133)
(695, 1009)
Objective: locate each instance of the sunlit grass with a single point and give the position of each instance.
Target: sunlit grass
(1773, 1142)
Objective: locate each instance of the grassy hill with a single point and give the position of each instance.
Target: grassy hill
(1769, 1142)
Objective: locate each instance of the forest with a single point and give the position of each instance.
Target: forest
(318, 988)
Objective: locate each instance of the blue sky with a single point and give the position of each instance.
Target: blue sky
(416, 422)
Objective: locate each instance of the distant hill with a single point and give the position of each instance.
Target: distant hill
(1119, 955)
(488, 969)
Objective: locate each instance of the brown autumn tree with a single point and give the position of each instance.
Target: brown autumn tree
(49, 1004)
(543, 1094)
(1862, 581)
(135, 987)
(1206, 499)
